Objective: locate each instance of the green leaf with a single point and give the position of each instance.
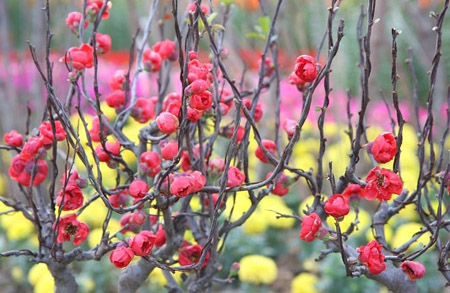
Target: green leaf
(256, 36)
(264, 23)
(211, 17)
(218, 26)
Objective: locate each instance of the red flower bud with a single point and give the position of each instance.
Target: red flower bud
(113, 148)
(116, 99)
(138, 188)
(94, 132)
(166, 49)
(337, 206)
(13, 138)
(73, 21)
(70, 197)
(289, 126)
(117, 81)
(384, 147)
(169, 150)
(167, 122)
(32, 147)
(310, 226)
(201, 101)
(143, 110)
(269, 145)
(190, 254)
(121, 256)
(103, 43)
(247, 103)
(151, 60)
(160, 236)
(46, 132)
(305, 68)
(193, 7)
(235, 177)
(150, 163)
(281, 185)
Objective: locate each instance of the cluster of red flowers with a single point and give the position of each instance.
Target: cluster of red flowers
(29, 166)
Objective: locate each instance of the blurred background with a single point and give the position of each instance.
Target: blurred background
(300, 28)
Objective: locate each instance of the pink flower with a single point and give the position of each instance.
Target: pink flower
(269, 145)
(150, 163)
(69, 226)
(337, 206)
(103, 43)
(235, 177)
(381, 184)
(142, 243)
(414, 269)
(289, 127)
(143, 110)
(166, 49)
(94, 7)
(13, 138)
(151, 60)
(138, 188)
(310, 226)
(80, 57)
(305, 68)
(121, 256)
(193, 7)
(118, 80)
(116, 99)
(372, 257)
(169, 150)
(73, 21)
(167, 122)
(172, 103)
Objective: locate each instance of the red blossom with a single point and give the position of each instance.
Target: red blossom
(70, 227)
(166, 49)
(73, 21)
(169, 150)
(381, 184)
(414, 269)
(371, 256)
(337, 206)
(150, 163)
(151, 60)
(167, 122)
(13, 138)
(22, 170)
(384, 148)
(46, 132)
(70, 197)
(281, 185)
(80, 57)
(190, 254)
(235, 177)
(103, 43)
(310, 226)
(305, 68)
(271, 148)
(121, 256)
(142, 243)
(138, 188)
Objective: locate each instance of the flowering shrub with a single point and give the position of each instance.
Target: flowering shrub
(172, 167)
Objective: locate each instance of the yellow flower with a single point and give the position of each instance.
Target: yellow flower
(40, 277)
(17, 274)
(94, 215)
(364, 222)
(257, 269)
(272, 204)
(406, 232)
(157, 276)
(256, 223)
(304, 283)
(17, 226)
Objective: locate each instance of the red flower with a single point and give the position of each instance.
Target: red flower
(247, 103)
(190, 254)
(167, 122)
(381, 184)
(138, 188)
(216, 166)
(142, 243)
(46, 132)
(73, 21)
(384, 147)
(21, 171)
(94, 7)
(235, 177)
(202, 101)
(80, 57)
(143, 110)
(269, 67)
(193, 7)
(228, 132)
(198, 70)
(103, 43)
(150, 163)
(198, 86)
(414, 270)
(337, 206)
(215, 198)
(269, 145)
(172, 104)
(169, 150)
(116, 99)
(310, 226)
(74, 178)
(305, 68)
(121, 256)
(119, 200)
(69, 226)
(32, 147)
(289, 126)
(295, 79)
(151, 60)
(117, 81)
(372, 257)
(95, 131)
(166, 49)
(160, 236)
(137, 218)
(281, 185)
(353, 190)
(73, 197)
(193, 114)
(181, 186)
(13, 138)
(197, 180)
(113, 148)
